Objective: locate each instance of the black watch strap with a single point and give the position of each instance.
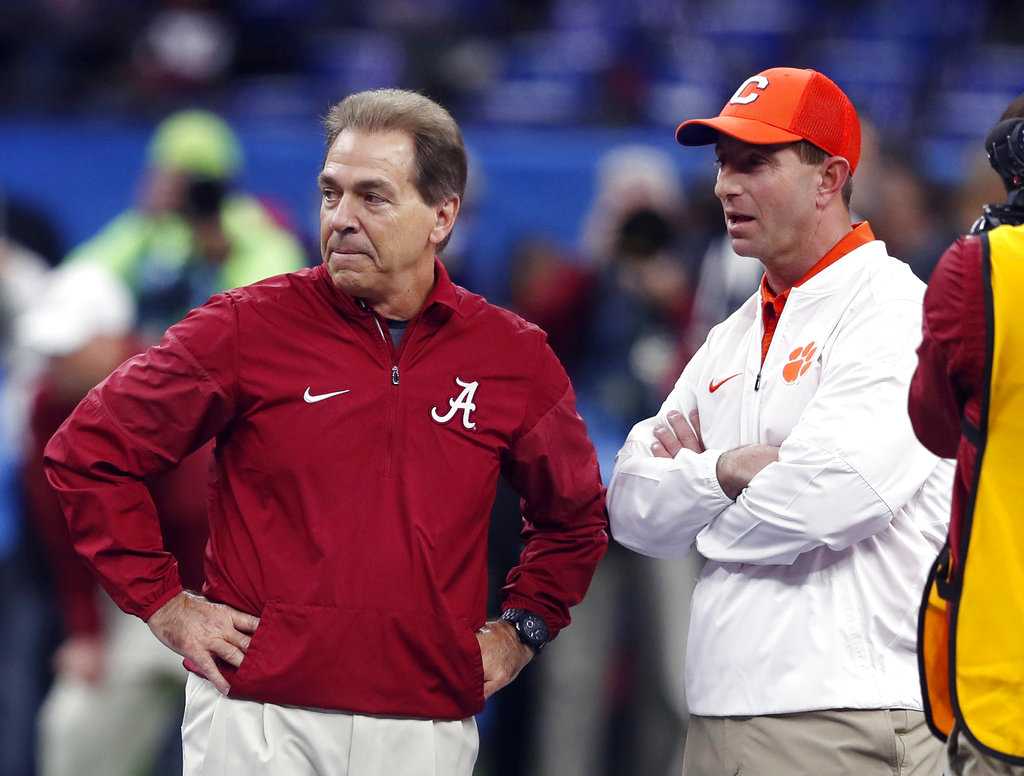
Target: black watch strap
(530, 627)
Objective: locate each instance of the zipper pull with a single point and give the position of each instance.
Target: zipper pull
(394, 375)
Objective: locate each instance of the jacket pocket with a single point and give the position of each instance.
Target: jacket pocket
(368, 661)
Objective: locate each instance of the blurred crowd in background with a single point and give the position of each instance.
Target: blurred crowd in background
(626, 285)
(558, 62)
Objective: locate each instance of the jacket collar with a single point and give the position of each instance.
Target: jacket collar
(442, 300)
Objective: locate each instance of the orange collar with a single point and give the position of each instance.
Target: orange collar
(772, 303)
(860, 235)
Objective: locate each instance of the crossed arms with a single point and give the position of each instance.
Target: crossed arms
(734, 468)
(836, 476)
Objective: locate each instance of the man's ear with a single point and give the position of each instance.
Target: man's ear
(834, 174)
(446, 212)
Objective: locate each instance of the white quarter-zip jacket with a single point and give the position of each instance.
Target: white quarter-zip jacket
(810, 595)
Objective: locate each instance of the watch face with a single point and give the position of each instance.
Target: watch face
(534, 628)
(531, 627)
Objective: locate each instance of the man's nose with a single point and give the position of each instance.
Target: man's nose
(343, 216)
(725, 183)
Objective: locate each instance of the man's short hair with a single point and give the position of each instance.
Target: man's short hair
(441, 162)
(811, 154)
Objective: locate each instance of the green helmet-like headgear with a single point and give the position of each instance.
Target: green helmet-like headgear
(196, 142)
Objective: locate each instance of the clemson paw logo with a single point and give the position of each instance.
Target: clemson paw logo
(799, 362)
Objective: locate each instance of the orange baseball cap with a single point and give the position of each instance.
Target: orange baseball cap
(784, 105)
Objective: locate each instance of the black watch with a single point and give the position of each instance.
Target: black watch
(530, 627)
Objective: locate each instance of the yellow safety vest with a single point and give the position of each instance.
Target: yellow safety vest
(972, 626)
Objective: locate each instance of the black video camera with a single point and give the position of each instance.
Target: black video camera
(203, 197)
(1004, 145)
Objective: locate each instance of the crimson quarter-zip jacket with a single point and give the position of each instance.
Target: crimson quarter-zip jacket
(351, 488)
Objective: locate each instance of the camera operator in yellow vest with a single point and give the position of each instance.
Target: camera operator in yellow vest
(967, 402)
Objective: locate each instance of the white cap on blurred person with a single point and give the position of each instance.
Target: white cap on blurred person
(78, 301)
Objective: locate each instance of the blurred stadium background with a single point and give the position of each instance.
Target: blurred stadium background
(541, 87)
(543, 90)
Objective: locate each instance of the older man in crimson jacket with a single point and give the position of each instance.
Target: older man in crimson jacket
(363, 411)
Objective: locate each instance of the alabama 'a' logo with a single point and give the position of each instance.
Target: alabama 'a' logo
(464, 402)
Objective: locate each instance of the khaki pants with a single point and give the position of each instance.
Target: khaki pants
(818, 743)
(966, 760)
(228, 737)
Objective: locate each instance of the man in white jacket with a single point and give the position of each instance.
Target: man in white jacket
(784, 454)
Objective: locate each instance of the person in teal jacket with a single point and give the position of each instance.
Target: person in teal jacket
(192, 233)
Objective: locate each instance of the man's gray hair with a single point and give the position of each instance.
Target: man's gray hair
(441, 163)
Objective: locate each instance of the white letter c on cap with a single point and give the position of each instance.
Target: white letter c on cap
(758, 80)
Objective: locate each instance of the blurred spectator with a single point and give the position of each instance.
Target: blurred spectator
(27, 620)
(186, 45)
(30, 228)
(22, 272)
(640, 310)
(191, 233)
(117, 691)
(550, 288)
(629, 178)
(638, 270)
(634, 242)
